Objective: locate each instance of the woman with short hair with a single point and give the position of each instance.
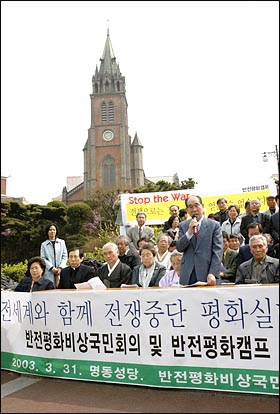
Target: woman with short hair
(149, 272)
(34, 278)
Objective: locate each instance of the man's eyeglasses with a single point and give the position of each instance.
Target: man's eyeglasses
(192, 206)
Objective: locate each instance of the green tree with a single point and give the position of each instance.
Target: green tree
(162, 185)
(87, 224)
(23, 228)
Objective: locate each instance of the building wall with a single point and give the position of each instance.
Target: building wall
(3, 185)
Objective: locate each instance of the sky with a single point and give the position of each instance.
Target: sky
(202, 85)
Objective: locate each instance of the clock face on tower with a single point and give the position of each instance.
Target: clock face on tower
(108, 135)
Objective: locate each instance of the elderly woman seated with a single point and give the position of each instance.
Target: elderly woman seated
(149, 272)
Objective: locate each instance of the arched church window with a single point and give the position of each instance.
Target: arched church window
(108, 171)
(104, 112)
(111, 111)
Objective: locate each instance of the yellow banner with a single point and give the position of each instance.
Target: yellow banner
(156, 205)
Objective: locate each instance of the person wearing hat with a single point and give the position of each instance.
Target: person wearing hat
(272, 206)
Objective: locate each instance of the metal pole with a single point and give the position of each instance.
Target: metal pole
(277, 158)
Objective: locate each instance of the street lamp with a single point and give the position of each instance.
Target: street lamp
(274, 154)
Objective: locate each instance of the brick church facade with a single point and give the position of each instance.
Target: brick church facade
(112, 160)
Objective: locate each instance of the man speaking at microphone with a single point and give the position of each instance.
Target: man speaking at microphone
(201, 242)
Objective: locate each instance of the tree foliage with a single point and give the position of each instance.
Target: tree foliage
(165, 186)
(87, 224)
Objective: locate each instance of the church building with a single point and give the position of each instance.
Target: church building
(112, 160)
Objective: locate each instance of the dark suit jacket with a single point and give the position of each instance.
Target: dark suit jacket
(121, 274)
(274, 227)
(42, 284)
(131, 259)
(82, 274)
(262, 218)
(159, 272)
(203, 255)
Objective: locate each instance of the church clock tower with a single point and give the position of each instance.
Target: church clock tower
(108, 152)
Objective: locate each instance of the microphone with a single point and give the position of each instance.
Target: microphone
(195, 227)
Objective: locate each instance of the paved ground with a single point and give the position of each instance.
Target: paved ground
(31, 394)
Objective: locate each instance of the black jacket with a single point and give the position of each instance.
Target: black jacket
(262, 218)
(131, 259)
(81, 274)
(42, 284)
(121, 274)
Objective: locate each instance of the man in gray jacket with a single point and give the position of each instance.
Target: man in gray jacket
(201, 242)
(261, 268)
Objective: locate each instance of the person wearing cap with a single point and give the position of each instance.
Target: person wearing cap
(272, 206)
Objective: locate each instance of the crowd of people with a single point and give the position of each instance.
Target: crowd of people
(221, 248)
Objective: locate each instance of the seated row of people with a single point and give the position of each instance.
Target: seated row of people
(234, 254)
(260, 268)
(113, 273)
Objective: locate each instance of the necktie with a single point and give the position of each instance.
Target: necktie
(196, 234)
(140, 232)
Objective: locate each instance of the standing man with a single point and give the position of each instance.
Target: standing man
(201, 242)
(222, 214)
(272, 206)
(247, 209)
(173, 212)
(140, 230)
(254, 216)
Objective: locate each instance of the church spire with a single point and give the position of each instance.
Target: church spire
(108, 78)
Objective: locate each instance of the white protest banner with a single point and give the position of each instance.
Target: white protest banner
(214, 338)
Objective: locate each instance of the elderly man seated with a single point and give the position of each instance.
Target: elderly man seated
(261, 268)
